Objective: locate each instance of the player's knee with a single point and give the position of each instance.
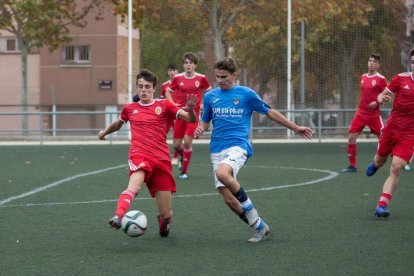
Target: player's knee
(396, 168)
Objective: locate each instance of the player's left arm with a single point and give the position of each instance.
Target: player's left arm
(279, 118)
(201, 128)
(187, 113)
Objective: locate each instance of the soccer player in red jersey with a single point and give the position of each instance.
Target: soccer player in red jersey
(149, 157)
(172, 70)
(187, 83)
(368, 111)
(397, 137)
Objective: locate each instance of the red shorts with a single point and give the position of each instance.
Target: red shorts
(182, 128)
(360, 121)
(396, 144)
(158, 174)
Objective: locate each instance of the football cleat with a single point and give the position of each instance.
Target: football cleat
(349, 169)
(371, 170)
(164, 226)
(407, 168)
(381, 212)
(174, 161)
(115, 222)
(260, 234)
(183, 176)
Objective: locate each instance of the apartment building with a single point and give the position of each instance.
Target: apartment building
(88, 74)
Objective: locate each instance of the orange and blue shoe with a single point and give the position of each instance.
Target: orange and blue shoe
(381, 212)
(371, 170)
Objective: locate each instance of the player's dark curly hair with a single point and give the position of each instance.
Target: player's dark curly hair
(226, 63)
(148, 76)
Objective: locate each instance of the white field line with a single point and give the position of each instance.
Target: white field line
(330, 175)
(56, 183)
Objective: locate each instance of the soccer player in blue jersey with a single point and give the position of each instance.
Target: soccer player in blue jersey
(230, 109)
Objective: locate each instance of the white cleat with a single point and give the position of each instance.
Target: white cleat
(260, 234)
(174, 161)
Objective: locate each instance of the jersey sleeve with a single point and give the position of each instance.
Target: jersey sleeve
(172, 109)
(394, 85)
(258, 104)
(207, 112)
(124, 114)
(173, 85)
(206, 83)
(383, 84)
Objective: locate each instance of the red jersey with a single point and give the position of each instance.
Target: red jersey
(402, 115)
(182, 86)
(149, 127)
(371, 86)
(164, 87)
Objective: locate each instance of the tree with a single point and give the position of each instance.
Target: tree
(42, 23)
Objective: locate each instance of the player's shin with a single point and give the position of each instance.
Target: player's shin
(124, 201)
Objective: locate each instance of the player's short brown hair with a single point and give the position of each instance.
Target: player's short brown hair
(190, 56)
(148, 76)
(227, 64)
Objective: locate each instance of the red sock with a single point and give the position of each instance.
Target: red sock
(352, 154)
(186, 159)
(175, 154)
(124, 201)
(384, 200)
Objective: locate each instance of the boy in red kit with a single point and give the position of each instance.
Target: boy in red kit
(397, 137)
(368, 112)
(149, 158)
(188, 83)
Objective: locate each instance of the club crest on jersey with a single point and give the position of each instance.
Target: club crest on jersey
(158, 110)
(197, 84)
(236, 101)
(135, 111)
(373, 82)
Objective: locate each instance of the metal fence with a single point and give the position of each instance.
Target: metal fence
(84, 126)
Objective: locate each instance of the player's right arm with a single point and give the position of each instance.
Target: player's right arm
(385, 96)
(115, 126)
(168, 95)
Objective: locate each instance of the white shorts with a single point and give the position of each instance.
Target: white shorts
(235, 157)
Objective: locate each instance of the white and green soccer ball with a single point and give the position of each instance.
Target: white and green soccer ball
(134, 223)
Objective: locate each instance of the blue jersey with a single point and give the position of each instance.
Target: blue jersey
(230, 112)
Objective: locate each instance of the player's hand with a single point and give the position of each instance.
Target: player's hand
(101, 135)
(198, 132)
(191, 102)
(305, 132)
(373, 105)
(384, 97)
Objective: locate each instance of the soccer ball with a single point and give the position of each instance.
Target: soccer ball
(134, 223)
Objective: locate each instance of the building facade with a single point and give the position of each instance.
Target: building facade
(88, 74)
